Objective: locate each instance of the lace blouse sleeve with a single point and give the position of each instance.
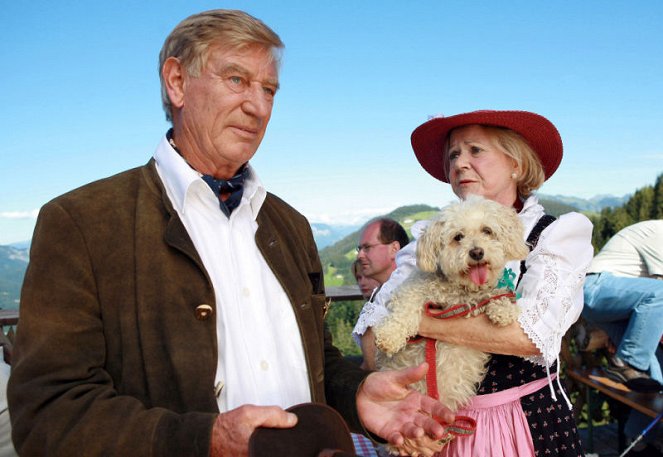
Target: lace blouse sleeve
(375, 310)
(551, 290)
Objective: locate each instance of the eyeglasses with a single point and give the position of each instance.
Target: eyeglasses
(368, 247)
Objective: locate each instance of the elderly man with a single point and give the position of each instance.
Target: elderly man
(379, 242)
(172, 309)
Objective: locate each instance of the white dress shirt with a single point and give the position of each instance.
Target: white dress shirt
(261, 358)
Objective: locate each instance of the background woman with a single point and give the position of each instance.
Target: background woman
(504, 156)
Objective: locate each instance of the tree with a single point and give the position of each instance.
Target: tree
(645, 204)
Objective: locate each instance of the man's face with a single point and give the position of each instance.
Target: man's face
(376, 258)
(223, 113)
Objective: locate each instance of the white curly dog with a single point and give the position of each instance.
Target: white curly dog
(460, 258)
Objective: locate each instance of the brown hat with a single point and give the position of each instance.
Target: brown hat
(320, 430)
(428, 139)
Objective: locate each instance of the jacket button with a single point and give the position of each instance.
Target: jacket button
(203, 312)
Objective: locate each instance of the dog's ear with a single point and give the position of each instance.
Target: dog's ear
(429, 245)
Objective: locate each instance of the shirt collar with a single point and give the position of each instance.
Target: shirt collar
(181, 180)
(531, 213)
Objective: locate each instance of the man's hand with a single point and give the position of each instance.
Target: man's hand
(232, 430)
(388, 408)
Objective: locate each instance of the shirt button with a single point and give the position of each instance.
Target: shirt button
(246, 292)
(264, 365)
(203, 312)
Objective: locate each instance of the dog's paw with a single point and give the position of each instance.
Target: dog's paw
(502, 312)
(389, 344)
(390, 336)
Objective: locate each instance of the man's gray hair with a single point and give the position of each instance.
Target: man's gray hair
(190, 40)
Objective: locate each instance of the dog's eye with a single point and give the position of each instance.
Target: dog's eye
(487, 231)
(459, 237)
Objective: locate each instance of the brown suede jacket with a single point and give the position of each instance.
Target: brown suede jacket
(111, 357)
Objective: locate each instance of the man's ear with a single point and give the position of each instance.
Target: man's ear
(173, 77)
(394, 247)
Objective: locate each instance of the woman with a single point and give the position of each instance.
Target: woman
(366, 285)
(504, 156)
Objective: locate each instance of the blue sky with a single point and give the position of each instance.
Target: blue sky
(81, 94)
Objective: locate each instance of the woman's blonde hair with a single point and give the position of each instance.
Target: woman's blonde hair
(190, 40)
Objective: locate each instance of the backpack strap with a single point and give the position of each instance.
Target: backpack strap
(533, 239)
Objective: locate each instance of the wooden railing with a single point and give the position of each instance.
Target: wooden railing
(9, 317)
(8, 320)
(344, 293)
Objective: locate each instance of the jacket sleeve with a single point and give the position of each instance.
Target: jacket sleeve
(303, 272)
(342, 381)
(62, 399)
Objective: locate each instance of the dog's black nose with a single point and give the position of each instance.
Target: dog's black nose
(476, 254)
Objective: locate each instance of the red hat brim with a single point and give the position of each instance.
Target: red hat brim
(541, 135)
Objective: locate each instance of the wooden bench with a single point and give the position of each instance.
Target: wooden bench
(650, 404)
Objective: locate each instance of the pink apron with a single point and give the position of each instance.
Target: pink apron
(502, 428)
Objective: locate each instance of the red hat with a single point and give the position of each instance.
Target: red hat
(541, 135)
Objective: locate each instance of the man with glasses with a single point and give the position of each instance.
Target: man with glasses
(379, 242)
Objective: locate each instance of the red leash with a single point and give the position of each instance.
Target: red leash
(461, 309)
(463, 425)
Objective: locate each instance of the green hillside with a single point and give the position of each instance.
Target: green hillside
(337, 258)
(556, 208)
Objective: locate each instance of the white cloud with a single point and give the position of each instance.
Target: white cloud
(19, 214)
(320, 232)
(351, 217)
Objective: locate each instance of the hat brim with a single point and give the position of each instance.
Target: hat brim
(318, 427)
(542, 136)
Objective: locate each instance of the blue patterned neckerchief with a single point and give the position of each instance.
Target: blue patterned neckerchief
(229, 191)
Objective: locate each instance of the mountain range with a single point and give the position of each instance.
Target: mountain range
(326, 234)
(594, 204)
(335, 242)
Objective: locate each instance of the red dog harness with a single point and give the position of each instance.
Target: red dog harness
(463, 425)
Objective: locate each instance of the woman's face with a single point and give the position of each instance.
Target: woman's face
(478, 165)
(366, 285)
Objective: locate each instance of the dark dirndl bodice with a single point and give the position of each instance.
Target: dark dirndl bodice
(551, 422)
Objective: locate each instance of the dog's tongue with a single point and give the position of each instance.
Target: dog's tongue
(478, 274)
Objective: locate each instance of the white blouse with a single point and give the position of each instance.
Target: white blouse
(551, 289)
